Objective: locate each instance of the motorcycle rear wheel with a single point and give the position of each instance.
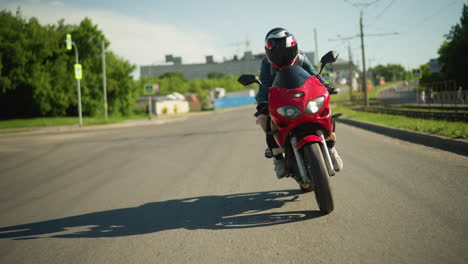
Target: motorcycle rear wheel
(317, 172)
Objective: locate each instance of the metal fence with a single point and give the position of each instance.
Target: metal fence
(402, 93)
(443, 92)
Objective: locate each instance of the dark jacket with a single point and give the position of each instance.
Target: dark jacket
(267, 75)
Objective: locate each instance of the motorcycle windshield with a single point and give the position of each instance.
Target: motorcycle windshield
(291, 77)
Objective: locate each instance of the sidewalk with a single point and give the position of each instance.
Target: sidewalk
(128, 123)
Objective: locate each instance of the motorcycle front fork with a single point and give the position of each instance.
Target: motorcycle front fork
(300, 160)
(326, 156)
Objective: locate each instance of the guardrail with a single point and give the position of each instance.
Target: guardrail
(451, 116)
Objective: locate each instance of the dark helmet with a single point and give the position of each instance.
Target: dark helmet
(280, 47)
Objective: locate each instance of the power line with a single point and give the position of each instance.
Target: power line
(344, 38)
(381, 13)
(438, 11)
(382, 34)
(441, 9)
(362, 4)
(339, 38)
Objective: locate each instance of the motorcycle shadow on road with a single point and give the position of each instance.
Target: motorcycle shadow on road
(215, 212)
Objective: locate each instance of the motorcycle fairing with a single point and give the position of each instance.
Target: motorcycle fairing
(279, 96)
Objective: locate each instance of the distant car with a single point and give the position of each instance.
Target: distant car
(191, 97)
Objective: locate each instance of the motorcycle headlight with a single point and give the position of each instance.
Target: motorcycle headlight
(314, 105)
(289, 112)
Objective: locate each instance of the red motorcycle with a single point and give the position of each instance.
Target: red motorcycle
(301, 119)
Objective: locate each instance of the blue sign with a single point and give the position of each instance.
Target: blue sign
(228, 102)
(149, 89)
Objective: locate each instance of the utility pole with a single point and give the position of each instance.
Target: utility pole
(316, 60)
(350, 72)
(364, 79)
(104, 88)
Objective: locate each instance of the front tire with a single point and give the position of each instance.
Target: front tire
(318, 173)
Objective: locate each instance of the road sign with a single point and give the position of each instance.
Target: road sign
(69, 42)
(417, 74)
(78, 72)
(327, 75)
(148, 89)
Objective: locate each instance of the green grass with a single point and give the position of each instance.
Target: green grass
(444, 128)
(64, 121)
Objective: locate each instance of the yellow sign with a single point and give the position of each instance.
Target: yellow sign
(78, 72)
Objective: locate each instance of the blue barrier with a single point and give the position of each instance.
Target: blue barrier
(228, 102)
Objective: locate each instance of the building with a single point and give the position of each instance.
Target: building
(341, 69)
(249, 63)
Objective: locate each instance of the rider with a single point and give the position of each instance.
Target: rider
(281, 51)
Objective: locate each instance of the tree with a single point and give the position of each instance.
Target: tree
(453, 53)
(32, 68)
(390, 72)
(178, 75)
(429, 78)
(217, 75)
(36, 71)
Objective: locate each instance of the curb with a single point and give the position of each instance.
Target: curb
(126, 123)
(73, 128)
(457, 146)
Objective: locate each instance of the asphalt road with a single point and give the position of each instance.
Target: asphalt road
(200, 191)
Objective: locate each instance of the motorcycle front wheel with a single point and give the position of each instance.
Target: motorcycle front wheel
(318, 173)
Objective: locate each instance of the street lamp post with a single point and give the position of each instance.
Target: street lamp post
(104, 89)
(78, 83)
(78, 74)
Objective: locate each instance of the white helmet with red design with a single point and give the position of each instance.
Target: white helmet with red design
(280, 48)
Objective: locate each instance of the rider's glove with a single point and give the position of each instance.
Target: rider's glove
(331, 89)
(262, 109)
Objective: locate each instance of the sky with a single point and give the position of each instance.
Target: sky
(406, 32)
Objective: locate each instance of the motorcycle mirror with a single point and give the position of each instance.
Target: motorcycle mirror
(330, 57)
(247, 79)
